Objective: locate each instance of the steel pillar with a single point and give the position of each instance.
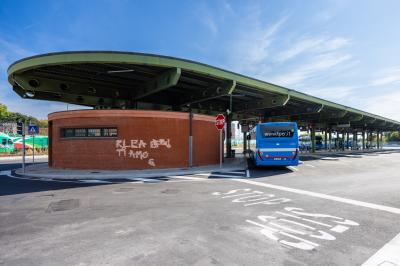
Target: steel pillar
(363, 140)
(330, 139)
(229, 135)
(190, 137)
(244, 142)
(313, 138)
(370, 139)
(326, 139)
(377, 140)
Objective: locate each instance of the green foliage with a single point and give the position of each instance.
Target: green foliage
(6, 116)
(394, 136)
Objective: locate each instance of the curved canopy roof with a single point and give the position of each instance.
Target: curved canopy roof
(104, 79)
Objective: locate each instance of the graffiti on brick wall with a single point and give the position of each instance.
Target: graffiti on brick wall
(140, 149)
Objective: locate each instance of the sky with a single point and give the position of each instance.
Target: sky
(344, 51)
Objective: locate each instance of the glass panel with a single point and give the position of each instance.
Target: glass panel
(94, 132)
(109, 132)
(68, 132)
(80, 132)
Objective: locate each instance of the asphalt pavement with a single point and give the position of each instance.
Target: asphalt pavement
(332, 211)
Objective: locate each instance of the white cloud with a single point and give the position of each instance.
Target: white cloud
(250, 49)
(312, 69)
(387, 105)
(312, 45)
(209, 22)
(387, 77)
(14, 49)
(333, 93)
(300, 47)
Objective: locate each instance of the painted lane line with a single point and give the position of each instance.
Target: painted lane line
(388, 255)
(236, 172)
(309, 165)
(219, 175)
(330, 159)
(187, 177)
(293, 168)
(323, 196)
(93, 181)
(7, 172)
(147, 180)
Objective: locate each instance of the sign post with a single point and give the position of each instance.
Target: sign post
(33, 130)
(21, 131)
(219, 124)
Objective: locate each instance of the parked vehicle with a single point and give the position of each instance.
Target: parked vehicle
(277, 143)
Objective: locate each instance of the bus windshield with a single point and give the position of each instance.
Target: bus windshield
(277, 131)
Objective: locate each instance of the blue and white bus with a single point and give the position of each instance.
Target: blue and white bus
(277, 143)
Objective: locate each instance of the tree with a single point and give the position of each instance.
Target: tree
(3, 111)
(394, 136)
(7, 116)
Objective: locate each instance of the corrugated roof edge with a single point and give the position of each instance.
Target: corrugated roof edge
(293, 93)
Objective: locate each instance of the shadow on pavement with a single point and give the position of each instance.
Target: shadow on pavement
(13, 186)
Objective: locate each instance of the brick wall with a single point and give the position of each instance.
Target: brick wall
(167, 132)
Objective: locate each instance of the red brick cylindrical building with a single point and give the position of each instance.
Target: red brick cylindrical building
(130, 139)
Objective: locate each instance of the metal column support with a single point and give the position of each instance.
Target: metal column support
(313, 138)
(347, 140)
(343, 141)
(363, 139)
(354, 140)
(377, 140)
(190, 137)
(370, 139)
(326, 138)
(330, 139)
(244, 142)
(229, 135)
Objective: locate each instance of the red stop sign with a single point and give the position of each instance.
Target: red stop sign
(220, 121)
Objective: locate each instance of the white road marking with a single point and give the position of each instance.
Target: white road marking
(147, 180)
(293, 168)
(309, 165)
(236, 172)
(304, 219)
(330, 158)
(94, 181)
(300, 224)
(339, 228)
(388, 255)
(323, 196)
(187, 177)
(219, 175)
(7, 172)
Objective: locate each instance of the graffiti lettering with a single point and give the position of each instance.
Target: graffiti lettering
(138, 148)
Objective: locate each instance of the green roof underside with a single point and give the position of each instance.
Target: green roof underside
(124, 80)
